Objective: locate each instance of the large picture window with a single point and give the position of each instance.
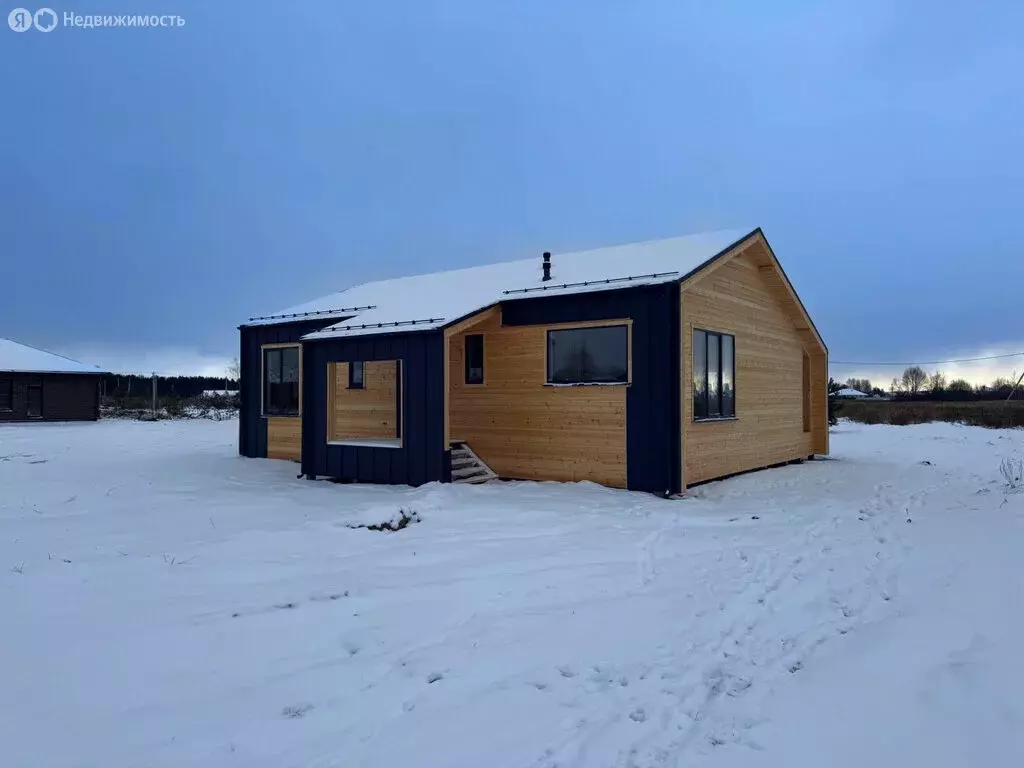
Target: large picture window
(589, 355)
(6, 395)
(714, 375)
(281, 381)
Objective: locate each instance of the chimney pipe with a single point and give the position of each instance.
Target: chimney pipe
(547, 267)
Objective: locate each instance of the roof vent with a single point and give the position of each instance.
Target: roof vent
(547, 266)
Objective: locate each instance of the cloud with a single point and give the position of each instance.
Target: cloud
(976, 371)
(167, 361)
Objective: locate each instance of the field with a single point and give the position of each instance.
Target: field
(167, 603)
(998, 414)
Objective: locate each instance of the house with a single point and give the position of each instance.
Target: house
(848, 393)
(37, 385)
(651, 367)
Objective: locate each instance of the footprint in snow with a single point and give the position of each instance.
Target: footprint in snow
(433, 677)
(565, 671)
(350, 647)
(638, 715)
(296, 711)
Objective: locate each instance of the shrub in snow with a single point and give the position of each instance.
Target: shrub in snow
(385, 520)
(1013, 472)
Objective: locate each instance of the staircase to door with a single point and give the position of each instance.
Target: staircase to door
(467, 467)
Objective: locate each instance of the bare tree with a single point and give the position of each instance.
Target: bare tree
(960, 385)
(234, 370)
(937, 382)
(862, 385)
(913, 380)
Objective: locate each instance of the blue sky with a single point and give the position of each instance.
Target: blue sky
(160, 186)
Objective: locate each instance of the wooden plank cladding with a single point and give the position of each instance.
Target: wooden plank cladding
(524, 429)
(284, 437)
(367, 412)
(772, 339)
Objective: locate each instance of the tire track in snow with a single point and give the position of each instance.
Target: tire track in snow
(790, 605)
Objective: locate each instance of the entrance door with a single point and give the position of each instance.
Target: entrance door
(35, 401)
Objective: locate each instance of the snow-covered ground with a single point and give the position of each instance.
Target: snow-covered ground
(164, 602)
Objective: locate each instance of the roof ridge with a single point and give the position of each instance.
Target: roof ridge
(574, 252)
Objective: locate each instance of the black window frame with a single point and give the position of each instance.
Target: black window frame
(7, 384)
(468, 375)
(269, 408)
(28, 400)
(552, 335)
(353, 383)
(703, 409)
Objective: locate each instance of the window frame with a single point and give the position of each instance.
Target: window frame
(718, 336)
(627, 325)
(280, 348)
(352, 383)
(9, 383)
(466, 378)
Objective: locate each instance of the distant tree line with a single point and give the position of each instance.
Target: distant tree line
(131, 386)
(917, 384)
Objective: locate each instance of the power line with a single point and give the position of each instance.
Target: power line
(933, 362)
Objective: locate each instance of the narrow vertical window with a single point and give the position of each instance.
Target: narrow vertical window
(700, 375)
(807, 393)
(728, 374)
(355, 375)
(474, 353)
(281, 381)
(714, 376)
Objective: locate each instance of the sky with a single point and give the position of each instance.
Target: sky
(160, 186)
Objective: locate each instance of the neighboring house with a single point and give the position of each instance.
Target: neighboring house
(651, 367)
(848, 393)
(37, 385)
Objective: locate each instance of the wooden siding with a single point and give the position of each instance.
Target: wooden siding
(740, 298)
(362, 413)
(284, 437)
(524, 429)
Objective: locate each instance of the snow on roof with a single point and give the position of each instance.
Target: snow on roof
(21, 358)
(850, 392)
(424, 302)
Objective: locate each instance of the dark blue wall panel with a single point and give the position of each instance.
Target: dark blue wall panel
(652, 400)
(422, 457)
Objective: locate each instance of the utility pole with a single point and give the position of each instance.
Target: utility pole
(154, 395)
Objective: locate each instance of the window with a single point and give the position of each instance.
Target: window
(589, 355)
(475, 359)
(35, 401)
(281, 381)
(6, 395)
(714, 375)
(355, 375)
(807, 393)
